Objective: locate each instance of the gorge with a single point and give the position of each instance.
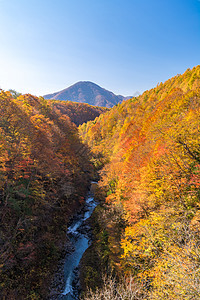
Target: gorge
(145, 152)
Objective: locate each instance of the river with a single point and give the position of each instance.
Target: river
(78, 234)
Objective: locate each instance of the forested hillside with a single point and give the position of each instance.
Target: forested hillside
(79, 113)
(44, 174)
(149, 148)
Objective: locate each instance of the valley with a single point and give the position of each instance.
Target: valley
(144, 232)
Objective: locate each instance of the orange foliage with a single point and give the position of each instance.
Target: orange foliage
(151, 144)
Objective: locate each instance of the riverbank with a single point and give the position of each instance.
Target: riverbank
(65, 283)
(58, 282)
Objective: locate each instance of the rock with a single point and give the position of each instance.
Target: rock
(58, 283)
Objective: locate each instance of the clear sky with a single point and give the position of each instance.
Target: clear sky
(123, 45)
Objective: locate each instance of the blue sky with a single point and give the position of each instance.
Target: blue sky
(122, 45)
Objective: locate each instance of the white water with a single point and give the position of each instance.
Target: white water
(80, 243)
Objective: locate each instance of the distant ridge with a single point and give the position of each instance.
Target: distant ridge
(88, 92)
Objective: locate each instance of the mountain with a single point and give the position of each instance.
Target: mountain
(88, 92)
(78, 113)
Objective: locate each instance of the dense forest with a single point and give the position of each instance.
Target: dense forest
(44, 175)
(78, 113)
(146, 228)
(148, 152)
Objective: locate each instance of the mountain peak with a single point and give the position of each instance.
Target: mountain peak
(87, 92)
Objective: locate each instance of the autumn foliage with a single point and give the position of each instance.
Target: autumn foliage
(149, 147)
(44, 174)
(78, 113)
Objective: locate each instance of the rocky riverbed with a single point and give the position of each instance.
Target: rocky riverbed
(65, 284)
